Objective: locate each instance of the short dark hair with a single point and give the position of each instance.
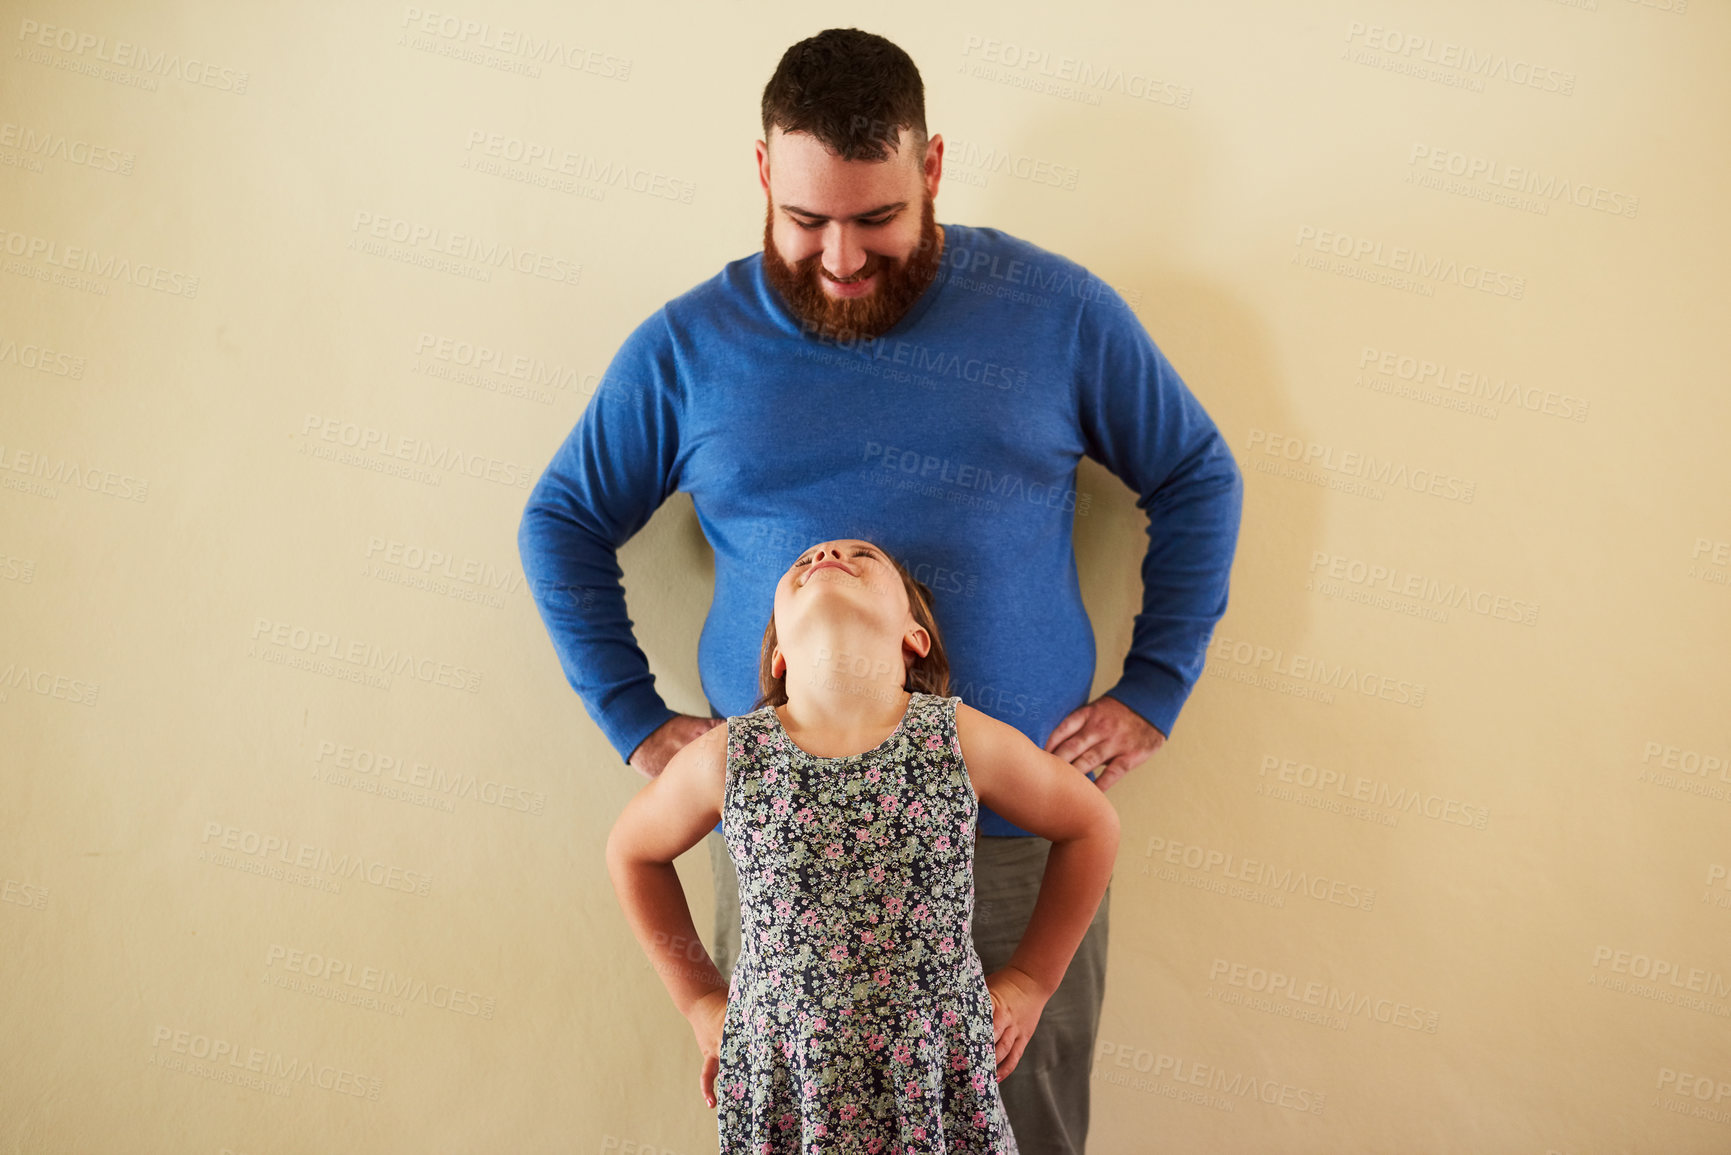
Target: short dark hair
(852, 90)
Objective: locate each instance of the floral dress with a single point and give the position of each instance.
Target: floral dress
(858, 1018)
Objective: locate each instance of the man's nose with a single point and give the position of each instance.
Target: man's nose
(843, 255)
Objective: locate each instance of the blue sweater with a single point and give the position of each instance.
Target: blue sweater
(951, 441)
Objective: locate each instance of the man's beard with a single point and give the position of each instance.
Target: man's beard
(846, 319)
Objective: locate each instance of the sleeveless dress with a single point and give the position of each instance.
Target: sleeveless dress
(858, 1018)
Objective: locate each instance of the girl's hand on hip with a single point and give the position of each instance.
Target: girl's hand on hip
(1016, 1007)
(707, 1016)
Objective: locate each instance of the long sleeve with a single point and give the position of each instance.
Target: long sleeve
(1141, 421)
(614, 469)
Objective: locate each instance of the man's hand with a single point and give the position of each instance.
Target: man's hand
(707, 1015)
(664, 741)
(1105, 732)
(1016, 1007)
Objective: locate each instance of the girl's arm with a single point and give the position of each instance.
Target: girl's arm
(662, 821)
(1041, 792)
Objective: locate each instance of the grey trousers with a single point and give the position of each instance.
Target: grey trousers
(1046, 1096)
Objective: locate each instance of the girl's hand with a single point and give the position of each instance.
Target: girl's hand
(1016, 1007)
(706, 1016)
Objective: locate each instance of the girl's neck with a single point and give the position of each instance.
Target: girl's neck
(837, 723)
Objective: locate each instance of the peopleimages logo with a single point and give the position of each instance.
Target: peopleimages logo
(964, 476)
(76, 263)
(1410, 50)
(229, 1061)
(1413, 264)
(1357, 788)
(124, 54)
(321, 861)
(1261, 874)
(1315, 993)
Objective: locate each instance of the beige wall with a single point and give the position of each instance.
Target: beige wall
(1437, 855)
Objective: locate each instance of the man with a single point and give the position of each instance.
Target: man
(872, 374)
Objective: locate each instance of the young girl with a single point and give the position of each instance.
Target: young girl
(859, 1018)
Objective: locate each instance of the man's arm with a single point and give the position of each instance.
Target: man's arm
(1141, 421)
(614, 469)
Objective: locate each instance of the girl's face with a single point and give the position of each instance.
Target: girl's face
(849, 577)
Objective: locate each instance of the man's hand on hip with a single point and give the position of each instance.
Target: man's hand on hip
(654, 752)
(1106, 733)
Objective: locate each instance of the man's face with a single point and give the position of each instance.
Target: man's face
(849, 245)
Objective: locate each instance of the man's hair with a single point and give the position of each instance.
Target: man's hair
(851, 90)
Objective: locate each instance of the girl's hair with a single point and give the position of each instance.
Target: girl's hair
(930, 673)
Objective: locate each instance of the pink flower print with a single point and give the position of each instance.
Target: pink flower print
(956, 746)
(876, 874)
(933, 741)
(978, 1080)
(832, 851)
(866, 936)
(889, 802)
(783, 906)
(769, 775)
(873, 775)
(819, 1023)
(958, 1061)
(809, 918)
(913, 1090)
(951, 1019)
(892, 904)
(942, 842)
(804, 814)
(756, 836)
(903, 1055)
(882, 976)
(874, 1040)
(821, 1130)
(917, 808)
(848, 1111)
(874, 1145)
(946, 944)
(737, 1091)
(780, 805)
(810, 1089)
(763, 739)
(838, 952)
(862, 834)
(920, 912)
(979, 1118)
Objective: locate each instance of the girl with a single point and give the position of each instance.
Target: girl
(859, 1018)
